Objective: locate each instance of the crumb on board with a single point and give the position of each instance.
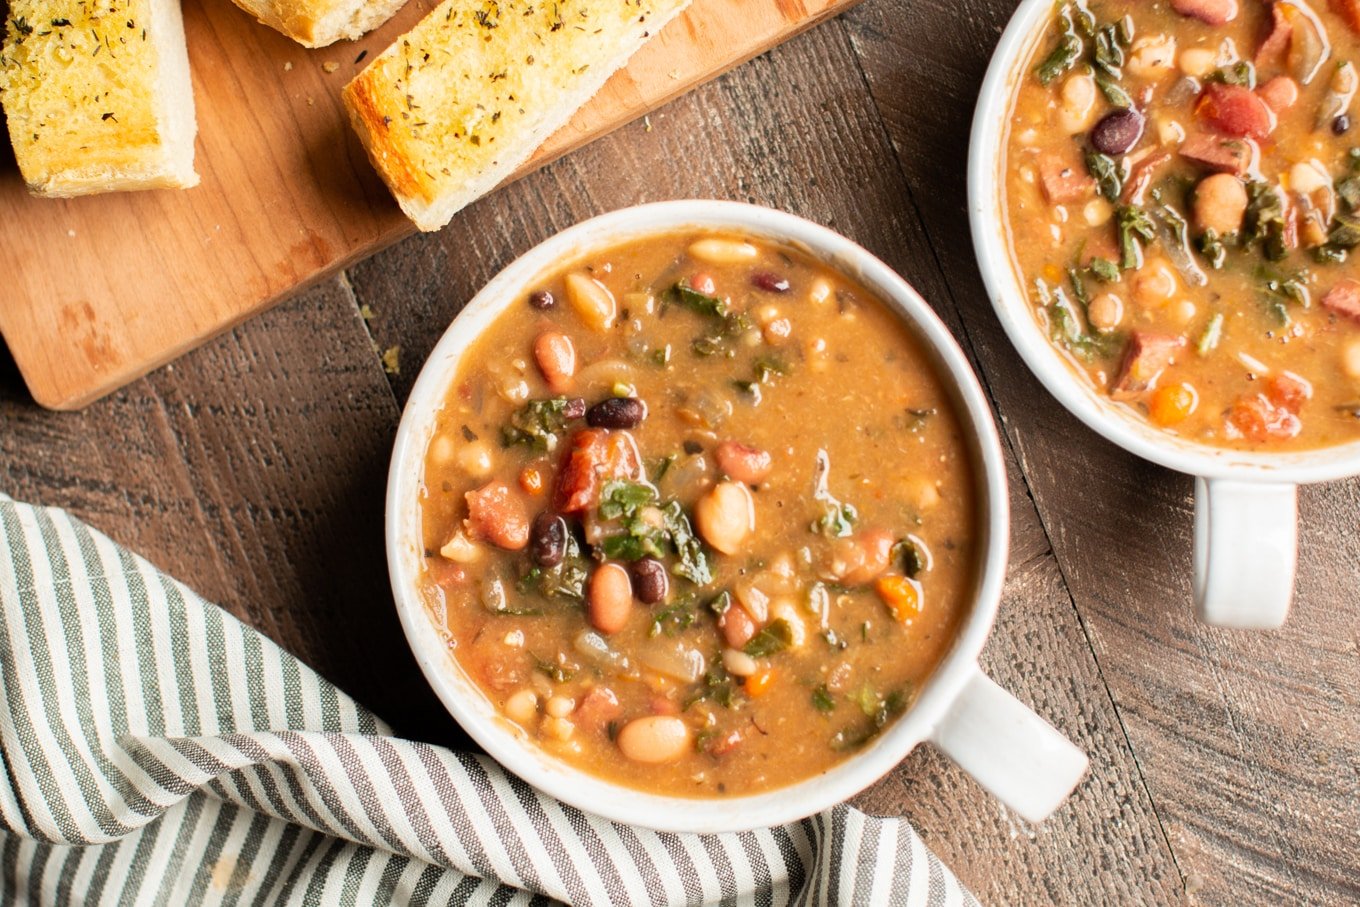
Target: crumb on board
(287, 65)
(366, 312)
(330, 66)
(647, 123)
(391, 360)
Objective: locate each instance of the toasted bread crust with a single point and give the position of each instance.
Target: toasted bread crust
(384, 152)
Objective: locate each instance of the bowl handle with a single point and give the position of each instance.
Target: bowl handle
(1246, 537)
(1016, 755)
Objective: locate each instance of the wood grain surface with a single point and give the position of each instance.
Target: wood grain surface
(1224, 765)
(104, 288)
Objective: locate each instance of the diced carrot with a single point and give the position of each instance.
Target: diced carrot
(901, 594)
(531, 480)
(1172, 404)
(758, 684)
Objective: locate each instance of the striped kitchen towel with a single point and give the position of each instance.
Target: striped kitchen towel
(157, 751)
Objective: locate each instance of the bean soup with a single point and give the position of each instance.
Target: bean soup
(699, 515)
(1182, 186)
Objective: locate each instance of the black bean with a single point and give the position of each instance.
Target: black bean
(617, 412)
(1341, 125)
(548, 539)
(542, 299)
(693, 447)
(770, 282)
(1118, 131)
(650, 582)
(575, 408)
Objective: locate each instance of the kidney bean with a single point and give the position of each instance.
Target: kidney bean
(548, 539)
(617, 412)
(650, 582)
(770, 282)
(542, 299)
(1118, 131)
(556, 358)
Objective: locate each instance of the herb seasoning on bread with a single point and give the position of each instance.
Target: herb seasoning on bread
(97, 95)
(460, 101)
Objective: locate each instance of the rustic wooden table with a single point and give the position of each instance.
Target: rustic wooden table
(1225, 767)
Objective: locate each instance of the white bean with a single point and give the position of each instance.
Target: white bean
(656, 738)
(723, 251)
(557, 728)
(1076, 110)
(1220, 203)
(738, 663)
(474, 458)
(592, 301)
(1151, 57)
(726, 516)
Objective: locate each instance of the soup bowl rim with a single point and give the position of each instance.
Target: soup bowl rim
(509, 745)
(1116, 422)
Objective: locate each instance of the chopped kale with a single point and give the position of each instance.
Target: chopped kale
(539, 423)
(567, 579)
(1107, 173)
(698, 302)
(775, 637)
(822, 700)
(1212, 247)
(1133, 225)
(674, 618)
(1264, 220)
(1065, 54)
(909, 554)
(1103, 269)
(557, 672)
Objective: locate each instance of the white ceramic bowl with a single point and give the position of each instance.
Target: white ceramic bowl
(1005, 745)
(1245, 502)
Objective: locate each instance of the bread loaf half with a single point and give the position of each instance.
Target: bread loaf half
(460, 101)
(316, 23)
(97, 95)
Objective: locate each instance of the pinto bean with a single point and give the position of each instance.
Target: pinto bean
(737, 626)
(743, 462)
(611, 598)
(556, 358)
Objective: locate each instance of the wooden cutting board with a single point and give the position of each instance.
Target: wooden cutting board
(98, 291)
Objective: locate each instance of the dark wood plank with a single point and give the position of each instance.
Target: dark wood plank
(1248, 742)
(254, 470)
(795, 129)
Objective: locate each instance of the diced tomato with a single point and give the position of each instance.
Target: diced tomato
(663, 706)
(597, 708)
(1063, 181)
(595, 456)
(1259, 420)
(1276, 45)
(1349, 10)
(1234, 110)
(1213, 12)
(1224, 154)
(1344, 299)
(1289, 391)
(1147, 356)
(496, 514)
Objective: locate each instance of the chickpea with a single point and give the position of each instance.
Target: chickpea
(1350, 358)
(556, 358)
(559, 706)
(557, 729)
(1153, 284)
(1106, 312)
(723, 251)
(653, 739)
(1151, 57)
(926, 494)
(475, 459)
(592, 301)
(1170, 132)
(726, 516)
(1076, 109)
(1097, 212)
(743, 462)
(522, 706)
(611, 598)
(1198, 62)
(1220, 203)
(442, 449)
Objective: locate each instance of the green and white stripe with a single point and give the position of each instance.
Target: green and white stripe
(157, 751)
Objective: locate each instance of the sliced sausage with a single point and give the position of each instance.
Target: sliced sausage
(1344, 299)
(1147, 356)
(1063, 182)
(1212, 12)
(1223, 154)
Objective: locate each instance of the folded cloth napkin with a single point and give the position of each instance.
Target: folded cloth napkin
(158, 751)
